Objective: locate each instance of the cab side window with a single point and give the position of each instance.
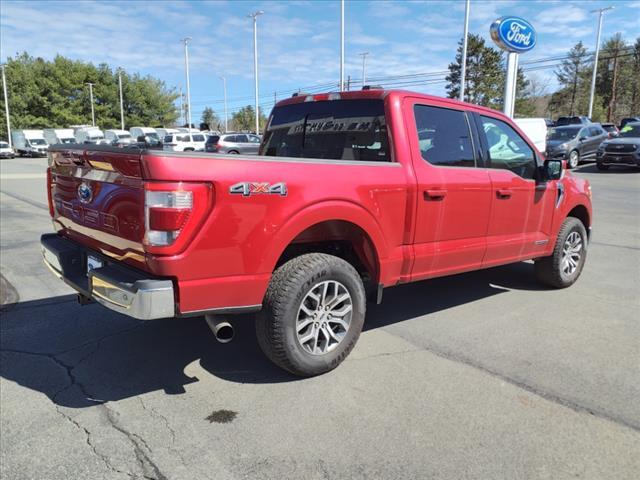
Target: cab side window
(444, 136)
(507, 149)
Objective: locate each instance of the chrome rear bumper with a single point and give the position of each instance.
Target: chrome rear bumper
(114, 285)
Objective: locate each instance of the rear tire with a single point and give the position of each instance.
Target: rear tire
(312, 315)
(563, 267)
(233, 152)
(574, 159)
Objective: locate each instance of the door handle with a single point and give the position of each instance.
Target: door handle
(503, 193)
(434, 194)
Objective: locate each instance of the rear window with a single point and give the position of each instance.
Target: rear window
(213, 139)
(198, 138)
(336, 130)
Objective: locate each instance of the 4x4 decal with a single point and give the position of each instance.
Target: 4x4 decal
(246, 189)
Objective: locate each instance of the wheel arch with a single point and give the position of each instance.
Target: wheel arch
(581, 213)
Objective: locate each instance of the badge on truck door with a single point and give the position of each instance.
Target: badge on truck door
(246, 189)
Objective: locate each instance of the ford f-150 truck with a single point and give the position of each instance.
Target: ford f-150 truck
(352, 192)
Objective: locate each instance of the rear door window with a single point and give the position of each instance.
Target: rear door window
(198, 138)
(353, 130)
(507, 149)
(241, 139)
(444, 136)
(168, 139)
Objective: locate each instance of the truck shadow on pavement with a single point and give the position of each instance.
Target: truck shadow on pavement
(84, 356)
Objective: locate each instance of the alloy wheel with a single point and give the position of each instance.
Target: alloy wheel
(571, 253)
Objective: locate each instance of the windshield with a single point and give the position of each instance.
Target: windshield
(124, 135)
(153, 135)
(337, 130)
(630, 130)
(563, 133)
(4, 145)
(37, 141)
(67, 140)
(96, 137)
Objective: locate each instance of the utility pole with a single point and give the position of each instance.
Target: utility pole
(364, 67)
(186, 41)
(600, 12)
(93, 115)
(6, 106)
(465, 42)
(348, 83)
(612, 102)
(341, 45)
(121, 103)
(224, 88)
(255, 16)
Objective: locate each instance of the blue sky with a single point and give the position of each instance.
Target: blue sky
(298, 40)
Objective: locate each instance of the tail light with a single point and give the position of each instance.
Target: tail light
(49, 192)
(173, 213)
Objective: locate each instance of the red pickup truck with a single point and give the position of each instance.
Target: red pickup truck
(352, 192)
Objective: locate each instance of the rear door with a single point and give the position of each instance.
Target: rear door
(454, 194)
(521, 211)
(254, 144)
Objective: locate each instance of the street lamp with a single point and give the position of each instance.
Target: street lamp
(595, 60)
(121, 103)
(341, 45)
(255, 16)
(186, 41)
(6, 106)
(224, 86)
(93, 114)
(364, 67)
(465, 41)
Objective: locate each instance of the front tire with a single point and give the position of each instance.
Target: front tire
(574, 159)
(313, 314)
(563, 267)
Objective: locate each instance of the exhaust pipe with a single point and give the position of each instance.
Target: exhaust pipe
(222, 330)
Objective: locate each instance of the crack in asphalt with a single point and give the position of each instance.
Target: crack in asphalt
(533, 389)
(150, 469)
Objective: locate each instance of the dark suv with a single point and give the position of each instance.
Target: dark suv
(624, 150)
(575, 120)
(575, 143)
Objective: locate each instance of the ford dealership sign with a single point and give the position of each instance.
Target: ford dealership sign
(513, 34)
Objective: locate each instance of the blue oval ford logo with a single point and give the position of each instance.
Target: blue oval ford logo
(513, 34)
(85, 194)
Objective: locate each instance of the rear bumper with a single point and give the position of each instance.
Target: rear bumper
(113, 285)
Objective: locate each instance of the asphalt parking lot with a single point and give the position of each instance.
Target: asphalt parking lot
(484, 375)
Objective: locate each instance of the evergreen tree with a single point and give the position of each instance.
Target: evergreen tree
(245, 119)
(210, 118)
(572, 76)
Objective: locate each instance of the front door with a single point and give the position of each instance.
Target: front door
(521, 208)
(454, 195)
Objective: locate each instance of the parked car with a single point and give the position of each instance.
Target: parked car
(58, 135)
(118, 137)
(184, 142)
(611, 129)
(535, 129)
(30, 143)
(575, 120)
(163, 132)
(575, 143)
(306, 239)
(234, 143)
(90, 135)
(6, 151)
(624, 150)
(624, 121)
(149, 133)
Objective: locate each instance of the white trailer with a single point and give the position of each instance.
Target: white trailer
(29, 143)
(58, 135)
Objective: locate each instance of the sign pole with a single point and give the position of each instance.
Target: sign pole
(510, 84)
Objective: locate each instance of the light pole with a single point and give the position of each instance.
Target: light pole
(93, 114)
(224, 86)
(595, 60)
(341, 45)
(364, 67)
(6, 106)
(186, 41)
(255, 16)
(465, 41)
(121, 103)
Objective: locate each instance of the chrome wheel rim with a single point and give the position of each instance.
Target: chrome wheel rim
(324, 317)
(573, 159)
(571, 253)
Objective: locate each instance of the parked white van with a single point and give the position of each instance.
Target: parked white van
(536, 130)
(90, 135)
(58, 135)
(29, 143)
(163, 132)
(184, 142)
(137, 132)
(121, 137)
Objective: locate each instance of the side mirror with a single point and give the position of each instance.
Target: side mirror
(582, 139)
(552, 169)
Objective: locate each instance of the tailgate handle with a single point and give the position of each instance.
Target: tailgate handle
(434, 194)
(504, 193)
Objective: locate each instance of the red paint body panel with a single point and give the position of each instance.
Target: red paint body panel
(421, 220)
